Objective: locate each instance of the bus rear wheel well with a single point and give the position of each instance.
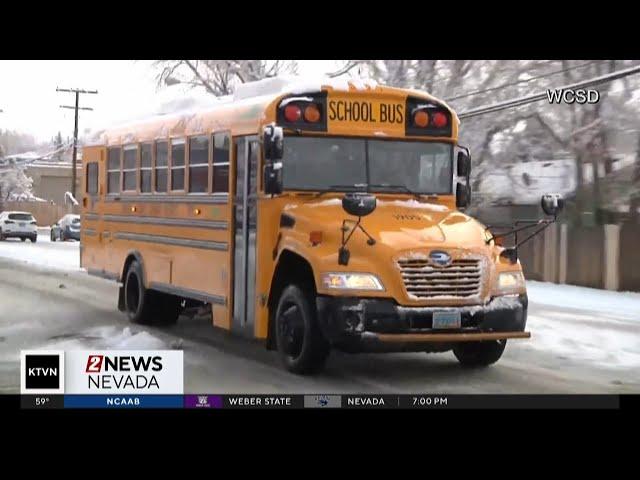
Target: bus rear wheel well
(291, 269)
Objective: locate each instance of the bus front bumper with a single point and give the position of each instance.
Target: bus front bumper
(371, 325)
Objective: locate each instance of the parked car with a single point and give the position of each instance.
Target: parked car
(68, 227)
(20, 225)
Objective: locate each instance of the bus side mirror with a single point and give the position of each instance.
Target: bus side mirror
(464, 164)
(273, 142)
(552, 203)
(463, 195)
(273, 178)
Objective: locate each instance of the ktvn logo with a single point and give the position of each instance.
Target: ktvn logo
(42, 372)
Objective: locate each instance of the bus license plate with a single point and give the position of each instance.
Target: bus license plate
(446, 320)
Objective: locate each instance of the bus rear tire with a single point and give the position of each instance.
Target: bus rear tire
(479, 354)
(301, 345)
(144, 306)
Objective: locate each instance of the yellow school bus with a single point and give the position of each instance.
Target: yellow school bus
(308, 216)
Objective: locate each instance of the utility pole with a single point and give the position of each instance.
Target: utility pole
(77, 107)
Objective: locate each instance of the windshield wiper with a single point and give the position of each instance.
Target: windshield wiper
(417, 195)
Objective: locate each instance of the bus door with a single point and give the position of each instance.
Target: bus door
(247, 152)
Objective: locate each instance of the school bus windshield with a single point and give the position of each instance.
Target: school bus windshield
(317, 163)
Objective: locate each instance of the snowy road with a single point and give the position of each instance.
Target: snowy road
(583, 340)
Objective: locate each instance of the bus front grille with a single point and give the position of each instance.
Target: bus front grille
(461, 279)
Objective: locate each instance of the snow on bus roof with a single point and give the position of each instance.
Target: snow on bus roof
(250, 93)
(288, 84)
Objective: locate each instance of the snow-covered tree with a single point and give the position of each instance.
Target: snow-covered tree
(219, 77)
(582, 130)
(14, 184)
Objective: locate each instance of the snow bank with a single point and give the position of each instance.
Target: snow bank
(126, 340)
(106, 338)
(624, 304)
(578, 340)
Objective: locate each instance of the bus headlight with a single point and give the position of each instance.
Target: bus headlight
(510, 282)
(351, 281)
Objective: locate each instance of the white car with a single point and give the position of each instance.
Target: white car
(20, 225)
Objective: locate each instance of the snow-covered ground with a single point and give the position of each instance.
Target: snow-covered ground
(62, 255)
(597, 327)
(620, 304)
(583, 325)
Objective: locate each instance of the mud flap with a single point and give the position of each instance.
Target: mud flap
(121, 299)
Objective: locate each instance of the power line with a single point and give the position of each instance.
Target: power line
(77, 107)
(516, 102)
(526, 80)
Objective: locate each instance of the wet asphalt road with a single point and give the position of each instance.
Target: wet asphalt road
(47, 308)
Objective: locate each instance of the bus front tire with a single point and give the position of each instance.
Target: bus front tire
(479, 354)
(301, 345)
(144, 306)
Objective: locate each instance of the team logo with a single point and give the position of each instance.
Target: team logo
(42, 372)
(203, 401)
(322, 401)
(439, 258)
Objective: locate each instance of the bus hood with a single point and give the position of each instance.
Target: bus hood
(398, 224)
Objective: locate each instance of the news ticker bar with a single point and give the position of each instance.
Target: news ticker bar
(205, 401)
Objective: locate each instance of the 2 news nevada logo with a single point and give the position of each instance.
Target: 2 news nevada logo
(41, 372)
(117, 372)
(125, 372)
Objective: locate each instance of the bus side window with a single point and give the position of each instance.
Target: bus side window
(162, 167)
(129, 168)
(221, 150)
(177, 163)
(145, 168)
(92, 178)
(113, 170)
(198, 164)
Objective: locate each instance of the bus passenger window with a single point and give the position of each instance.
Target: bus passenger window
(177, 164)
(145, 168)
(199, 164)
(162, 162)
(113, 170)
(221, 143)
(129, 168)
(92, 178)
